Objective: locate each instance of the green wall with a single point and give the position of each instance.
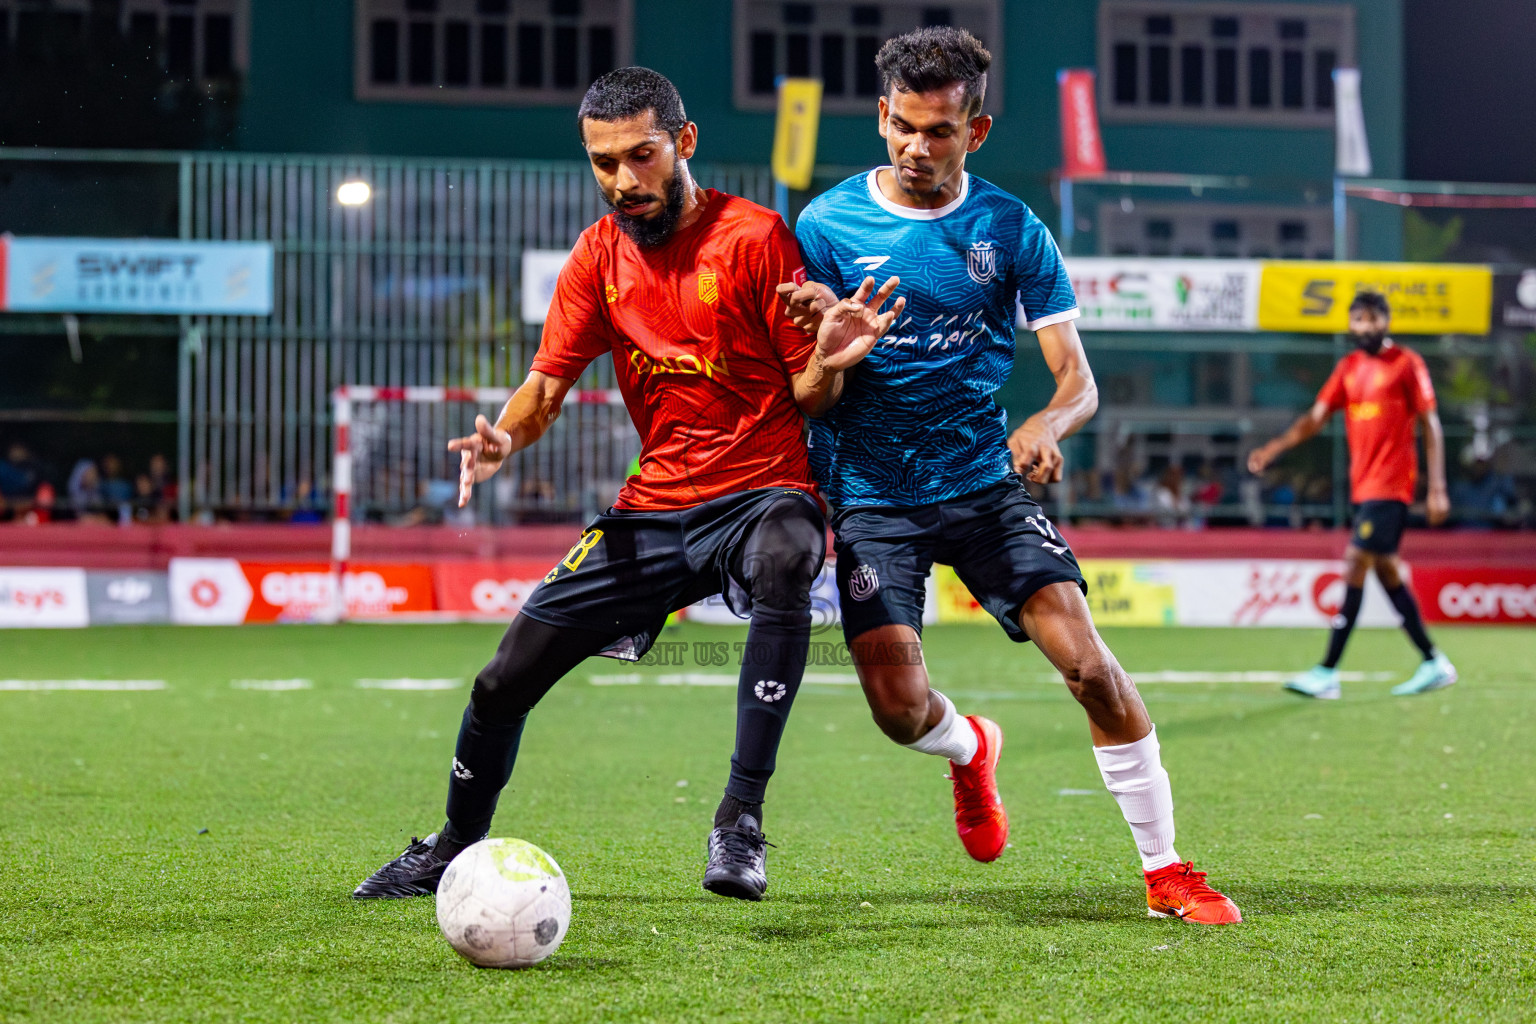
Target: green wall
(299, 99)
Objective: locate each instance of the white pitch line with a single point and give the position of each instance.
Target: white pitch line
(272, 684)
(621, 679)
(1179, 676)
(711, 679)
(409, 684)
(832, 678)
(83, 684)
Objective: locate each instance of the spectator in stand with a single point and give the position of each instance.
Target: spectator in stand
(116, 489)
(1484, 498)
(303, 506)
(1279, 491)
(18, 480)
(148, 505)
(1169, 501)
(164, 483)
(84, 491)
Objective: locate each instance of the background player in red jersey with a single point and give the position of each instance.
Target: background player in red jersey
(678, 285)
(1384, 390)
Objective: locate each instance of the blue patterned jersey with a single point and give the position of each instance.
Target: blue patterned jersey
(917, 423)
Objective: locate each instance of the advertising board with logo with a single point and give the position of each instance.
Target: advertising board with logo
(1268, 592)
(48, 598)
(1165, 295)
(1506, 596)
(491, 590)
(1514, 300)
(128, 598)
(146, 275)
(223, 591)
(1426, 298)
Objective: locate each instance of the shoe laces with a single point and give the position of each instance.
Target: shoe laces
(1190, 884)
(417, 852)
(975, 805)
(739, 845)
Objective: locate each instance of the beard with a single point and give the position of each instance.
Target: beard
(1369, 342)
(648, 233)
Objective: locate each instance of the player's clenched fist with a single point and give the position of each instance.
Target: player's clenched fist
(1036, 455)
(480, 455)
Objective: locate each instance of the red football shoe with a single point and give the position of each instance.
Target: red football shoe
(979, 815)
(1178, 890)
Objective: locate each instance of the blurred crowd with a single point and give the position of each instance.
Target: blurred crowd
(96, 490)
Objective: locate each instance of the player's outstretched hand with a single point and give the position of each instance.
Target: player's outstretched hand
(850, 328)
(804, 303)
(1036, 455)
(480, 455)
(1437, 505)
(1259, 460)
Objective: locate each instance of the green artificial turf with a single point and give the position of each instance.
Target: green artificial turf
(1383, 850)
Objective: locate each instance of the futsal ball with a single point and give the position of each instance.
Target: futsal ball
(504, 903)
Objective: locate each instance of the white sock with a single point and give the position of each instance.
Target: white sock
(953, 737)
(1134, 775)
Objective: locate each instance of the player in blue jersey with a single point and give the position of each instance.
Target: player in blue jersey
(917, 462)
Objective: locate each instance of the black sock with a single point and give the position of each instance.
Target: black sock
(1343, 625)
(482, 764)
(1413, 623)
(778, 563)
(731, 808)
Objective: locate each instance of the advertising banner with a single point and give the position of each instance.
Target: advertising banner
(494, 590)
(1123, 593)
(1082, 147)
(1426, 298)
(794, 133)
(1505, 596)
(1266, 592)
(128, 598)
(145, 275)
(540, 272)
(223, 591)
(48, 598)
(1514, 300)
(1165, 295)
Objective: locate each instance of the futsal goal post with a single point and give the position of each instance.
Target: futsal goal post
(391, 444)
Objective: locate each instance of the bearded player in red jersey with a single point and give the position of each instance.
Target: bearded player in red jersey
(678, 284)
(1384, 390)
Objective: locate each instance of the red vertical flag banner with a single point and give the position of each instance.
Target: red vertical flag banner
(1082, 148)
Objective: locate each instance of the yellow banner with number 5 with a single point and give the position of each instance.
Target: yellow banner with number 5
(1426, 298)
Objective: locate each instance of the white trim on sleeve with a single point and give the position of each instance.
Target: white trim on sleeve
(1053, 318)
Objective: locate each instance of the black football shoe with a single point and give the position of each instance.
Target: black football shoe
(415, 872)
(738, 860)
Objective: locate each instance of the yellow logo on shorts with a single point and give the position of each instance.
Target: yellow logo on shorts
(611, 292)
(1366, 529)
(709, 292)
(577, 554)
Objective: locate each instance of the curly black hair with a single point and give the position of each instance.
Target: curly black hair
(932, 58)
(629, 92)
(1372, 300)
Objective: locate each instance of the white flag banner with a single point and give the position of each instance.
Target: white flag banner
(1352, 151)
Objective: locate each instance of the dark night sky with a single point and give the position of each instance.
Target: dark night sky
(1471, 84)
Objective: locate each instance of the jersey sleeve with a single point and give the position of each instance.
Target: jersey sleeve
(781, 263)
(577, 329)
(1045, 290)
(1421, 390)
(1332, 395)
(817, 251)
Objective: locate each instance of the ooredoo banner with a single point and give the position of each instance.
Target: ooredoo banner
(1477, 595)
(43, 598)
(493, 590)
(223, 591)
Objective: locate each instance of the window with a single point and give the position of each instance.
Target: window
(508, 52)
(205, 39)
(1226, 231)
(1222, 63)
(836, 41)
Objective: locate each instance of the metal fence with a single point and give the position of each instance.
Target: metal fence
(419, 286)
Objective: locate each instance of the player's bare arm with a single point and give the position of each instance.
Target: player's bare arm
(1036, 444)
(523, 420)
(1437, 501)
(1306, 427)
(846, 332)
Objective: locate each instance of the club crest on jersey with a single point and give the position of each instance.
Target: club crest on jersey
(709, 291)
(981, 262)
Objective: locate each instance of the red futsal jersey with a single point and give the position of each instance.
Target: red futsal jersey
(702, 348)
(1381, 396)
